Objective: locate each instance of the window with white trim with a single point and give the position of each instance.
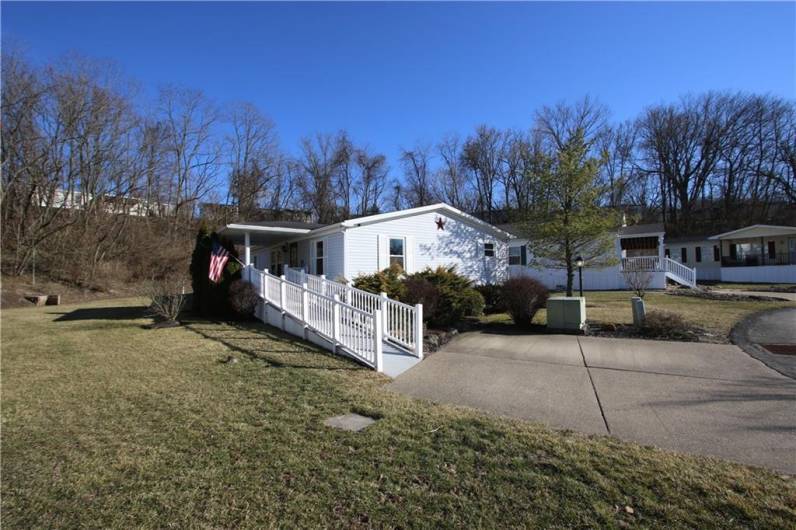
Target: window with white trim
(489, 250)
(320, 257)
(397, 252)
(515, 255)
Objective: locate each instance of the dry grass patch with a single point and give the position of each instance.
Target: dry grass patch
(106, 424)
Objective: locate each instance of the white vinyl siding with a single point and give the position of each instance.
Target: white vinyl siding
(459, 244)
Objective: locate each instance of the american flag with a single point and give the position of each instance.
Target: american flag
(218, 260)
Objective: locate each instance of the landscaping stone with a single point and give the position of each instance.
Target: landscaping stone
(53, 299)
(349, 422)
(36, 299)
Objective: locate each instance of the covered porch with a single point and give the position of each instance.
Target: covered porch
(641, 247)
(272, 245)
(758, 246)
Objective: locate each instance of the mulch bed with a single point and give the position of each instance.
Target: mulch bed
(781, 349)
(709, 294)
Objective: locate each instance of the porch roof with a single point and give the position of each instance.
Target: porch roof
(652, 229)
(267, 232)
(755, 231)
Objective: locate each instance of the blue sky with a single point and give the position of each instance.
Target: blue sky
(392, 74)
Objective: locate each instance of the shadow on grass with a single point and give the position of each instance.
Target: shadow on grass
(255, 340)
(103, 313)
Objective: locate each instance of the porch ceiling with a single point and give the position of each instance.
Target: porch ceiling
(261, 235)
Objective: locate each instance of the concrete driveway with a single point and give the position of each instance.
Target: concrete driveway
(757, 333)
(702, 398)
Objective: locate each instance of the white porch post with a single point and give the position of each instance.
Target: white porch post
(661, 253)
(247, 256)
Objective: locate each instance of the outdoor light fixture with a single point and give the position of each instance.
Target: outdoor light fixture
(579, 263)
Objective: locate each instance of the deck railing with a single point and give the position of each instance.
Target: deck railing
(358, 332)
(641, 263)
(673, 269)
(402, 323)
(687, 274)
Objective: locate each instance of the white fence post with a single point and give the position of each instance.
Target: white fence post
(336, 320)
(419, 331)
(384, 313)
(323, 284)
(377, 342)
(264, 284)
(282, 298)
(305, 299)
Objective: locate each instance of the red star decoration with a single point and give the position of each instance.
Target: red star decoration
(440, 223)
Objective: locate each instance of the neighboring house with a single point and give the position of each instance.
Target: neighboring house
(637, 247)
(758, 254)
(697, 252)
(428, 236)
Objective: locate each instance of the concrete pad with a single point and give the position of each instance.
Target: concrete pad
(693, 359)
(752, 424)
(558, 349)
(774, 327)
(556, 394)
(396, 361)
(349, 422)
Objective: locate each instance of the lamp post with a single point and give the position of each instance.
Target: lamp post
(579, 263)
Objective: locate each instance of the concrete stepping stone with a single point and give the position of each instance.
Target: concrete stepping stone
(349, 422)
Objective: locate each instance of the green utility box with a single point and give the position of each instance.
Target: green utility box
(566, 313)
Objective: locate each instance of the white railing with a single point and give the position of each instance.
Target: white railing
(402, 323)
(358, 332)
(641, 263)
(295, 275)
(685, 274)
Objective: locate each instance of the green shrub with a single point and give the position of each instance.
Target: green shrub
(493, 298)
(422, 291)
(212, 299)
(456, 297)
(523, 298)
(388, 281)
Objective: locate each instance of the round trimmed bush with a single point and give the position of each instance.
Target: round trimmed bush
(523, 297)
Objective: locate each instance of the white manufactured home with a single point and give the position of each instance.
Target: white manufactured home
(429, 236)
(302, 273)
(636, 248)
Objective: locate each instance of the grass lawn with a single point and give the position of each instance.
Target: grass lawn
(613, 307)
(109, 425)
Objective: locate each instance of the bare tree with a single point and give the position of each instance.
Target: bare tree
(371, 181)
(483, 156)
(193, 153)
(416, 164)
(452, 183)
(254, 158)
(320, 165)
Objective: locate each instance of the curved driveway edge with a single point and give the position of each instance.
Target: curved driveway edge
(773, 326)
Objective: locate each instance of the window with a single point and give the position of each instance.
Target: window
(698, 254)
(772, 250)
(716, 253)
(515, 255)
(254, 261)
(397, 251)
(489, 250)
(320, 257)
(683, 255)
(667, 253)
